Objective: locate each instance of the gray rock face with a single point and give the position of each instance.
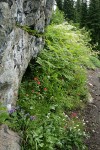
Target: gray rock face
(17, 47)
(8, 139)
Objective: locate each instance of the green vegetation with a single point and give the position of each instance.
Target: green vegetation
(46, 115)
(93, 22)
(3, 114)
(55, 17)
(30, 31)
(86, 14)
(51, 94)
(68, 8)
(95, 61)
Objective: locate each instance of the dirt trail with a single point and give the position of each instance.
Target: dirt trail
(92, 111)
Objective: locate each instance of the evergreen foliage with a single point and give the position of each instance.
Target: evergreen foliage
(87, 14)
(94, 21)
(83, 14)
(77, 11)
(59, 4)
(68, 9)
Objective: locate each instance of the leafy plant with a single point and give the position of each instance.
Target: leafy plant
(57, 17)
(95, 61)
(3, 114)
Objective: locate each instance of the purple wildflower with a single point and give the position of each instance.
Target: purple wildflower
(11, 111)
(32, 117)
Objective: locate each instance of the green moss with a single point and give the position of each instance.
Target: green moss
(30, 31)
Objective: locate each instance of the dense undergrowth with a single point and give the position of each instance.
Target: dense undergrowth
(51, 93)
(50, 97)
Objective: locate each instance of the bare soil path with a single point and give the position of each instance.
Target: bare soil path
(92, 111)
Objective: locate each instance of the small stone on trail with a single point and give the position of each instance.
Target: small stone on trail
(90, 98)
(91, 84)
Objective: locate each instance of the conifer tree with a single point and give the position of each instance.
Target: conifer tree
(94, 20)
(77, 11)
(60, 4)
(83, 13)
(68, 8)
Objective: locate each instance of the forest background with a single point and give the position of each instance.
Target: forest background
(83, 13)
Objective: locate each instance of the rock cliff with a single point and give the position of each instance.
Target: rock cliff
(17, 47)
(9, 140)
